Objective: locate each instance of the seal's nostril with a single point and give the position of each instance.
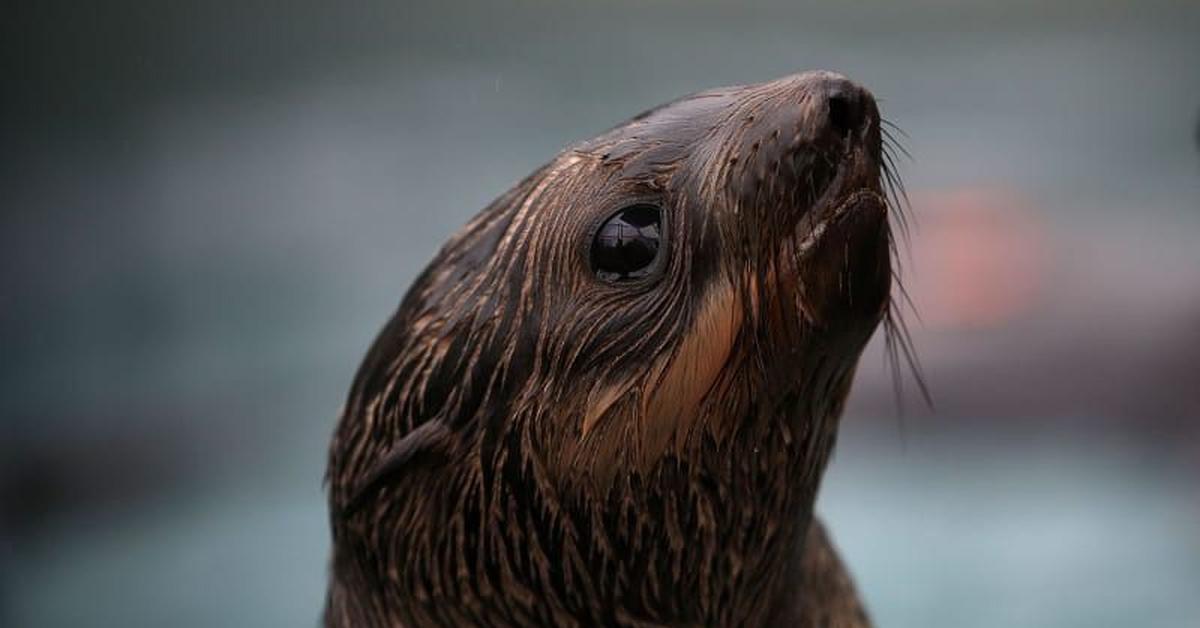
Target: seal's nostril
(845, 112)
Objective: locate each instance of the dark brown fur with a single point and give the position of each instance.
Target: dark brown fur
(526, 444)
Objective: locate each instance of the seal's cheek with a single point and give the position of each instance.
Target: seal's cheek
(633, 422)
(679, 384)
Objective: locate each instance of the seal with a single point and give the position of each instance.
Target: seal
(610, 398)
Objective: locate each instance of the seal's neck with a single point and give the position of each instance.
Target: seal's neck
(712, 537)
(708, 536)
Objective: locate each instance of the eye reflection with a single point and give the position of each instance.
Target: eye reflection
(628, 243)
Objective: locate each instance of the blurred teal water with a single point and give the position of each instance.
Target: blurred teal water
(937, 534)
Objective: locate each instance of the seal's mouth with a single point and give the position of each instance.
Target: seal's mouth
(837, 165)
(846, 184)
(842, 241)
(859, 204)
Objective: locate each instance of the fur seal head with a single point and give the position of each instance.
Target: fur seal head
(611, 396)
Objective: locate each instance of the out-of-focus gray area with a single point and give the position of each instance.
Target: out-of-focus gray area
(209, 209)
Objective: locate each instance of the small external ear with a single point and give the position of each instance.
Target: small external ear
(427, 444)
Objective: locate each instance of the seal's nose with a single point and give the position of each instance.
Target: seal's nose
(799, 133)
(848, 106)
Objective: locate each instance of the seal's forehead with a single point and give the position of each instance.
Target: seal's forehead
(679, 123)
(679, 128)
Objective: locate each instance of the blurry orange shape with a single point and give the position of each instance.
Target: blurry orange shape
(978, 255)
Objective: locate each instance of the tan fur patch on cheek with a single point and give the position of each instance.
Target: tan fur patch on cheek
(680, 382)
(633, 422)
(600, 400)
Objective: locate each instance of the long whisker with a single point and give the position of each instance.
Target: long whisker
(900, 352)
(891, 126)
(899, 202)
(892, 138)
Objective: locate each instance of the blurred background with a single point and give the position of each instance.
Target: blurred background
(210, 209)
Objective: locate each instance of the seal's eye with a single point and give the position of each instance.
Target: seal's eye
(628, 243)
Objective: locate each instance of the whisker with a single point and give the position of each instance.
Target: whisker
(893, 127)
(899, 351)
(897, 330)
(890, 145)
(906, 297)
(899, 200)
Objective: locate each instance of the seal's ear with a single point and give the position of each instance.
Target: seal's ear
(427, 444)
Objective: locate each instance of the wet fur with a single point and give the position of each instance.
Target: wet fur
(528, 445)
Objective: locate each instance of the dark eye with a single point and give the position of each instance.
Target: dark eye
(627, 243)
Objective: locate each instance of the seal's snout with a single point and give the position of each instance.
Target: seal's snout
(841, 115)
(804, 138)
(849, 107)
